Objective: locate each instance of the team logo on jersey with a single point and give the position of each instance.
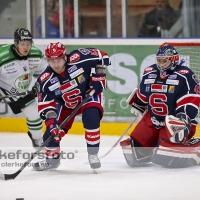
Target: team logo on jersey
(54, 86)
(148, 69)
(148, 81)
(152, 76)
(44, 76)
(84, 51)
(74, 57)
(172, 82)
(22, 83)
(81, 79)
(147, 88)
(68, 86)
(76, 73)
(54, 80)
(183, 71)
(171, 89)
(72, 69)
(158, 88)
(172, 76)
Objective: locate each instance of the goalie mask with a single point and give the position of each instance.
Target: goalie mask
(166, 59)
(22, 34)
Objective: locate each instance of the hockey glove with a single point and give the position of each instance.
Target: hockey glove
(98, 82)
(34, 90)
(135, 108)
(52, 128)
(178, 128)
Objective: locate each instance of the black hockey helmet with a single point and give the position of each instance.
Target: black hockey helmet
(22, 34)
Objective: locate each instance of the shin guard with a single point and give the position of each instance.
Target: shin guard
(135, 155)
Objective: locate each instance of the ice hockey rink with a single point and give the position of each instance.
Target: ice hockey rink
(74, 178)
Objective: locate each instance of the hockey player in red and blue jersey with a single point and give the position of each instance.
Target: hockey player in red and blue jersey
(63, 86)
(167, 99)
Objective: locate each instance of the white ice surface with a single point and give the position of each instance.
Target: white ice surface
(115, 179)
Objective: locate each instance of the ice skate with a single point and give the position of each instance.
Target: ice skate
(94, 161)
(44, 165)
(35, 142)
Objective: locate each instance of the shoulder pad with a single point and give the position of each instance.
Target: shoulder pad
(35, 52)
(5, 53)
(45, 75)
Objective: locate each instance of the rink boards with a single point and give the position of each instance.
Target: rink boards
(18, 125)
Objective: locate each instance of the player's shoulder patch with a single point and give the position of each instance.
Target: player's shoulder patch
(149, 69)
(44, 76)
(74, 56)
(183, 70)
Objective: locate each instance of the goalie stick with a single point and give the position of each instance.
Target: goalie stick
(117, 142)
(15, 95)
(14, 175)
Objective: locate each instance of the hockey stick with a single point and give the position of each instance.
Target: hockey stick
(116, 143)
(15, 95)
(14, 175)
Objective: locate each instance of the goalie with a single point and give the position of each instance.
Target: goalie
(167, 100)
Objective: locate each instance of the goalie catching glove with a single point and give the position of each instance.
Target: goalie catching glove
(52, 128)
(98, 82)
(135, 108)
(178, 128)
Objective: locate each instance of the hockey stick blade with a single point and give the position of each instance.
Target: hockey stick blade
(14, 175)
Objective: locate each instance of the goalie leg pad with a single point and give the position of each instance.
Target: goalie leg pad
(171, 155)
(135, 155)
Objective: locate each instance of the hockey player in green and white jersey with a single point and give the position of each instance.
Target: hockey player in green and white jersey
(20, 63)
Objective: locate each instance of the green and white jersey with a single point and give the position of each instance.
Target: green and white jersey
(17, 74)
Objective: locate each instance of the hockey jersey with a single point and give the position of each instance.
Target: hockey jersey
(179, 92)
(17, 73)
(70, 87)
